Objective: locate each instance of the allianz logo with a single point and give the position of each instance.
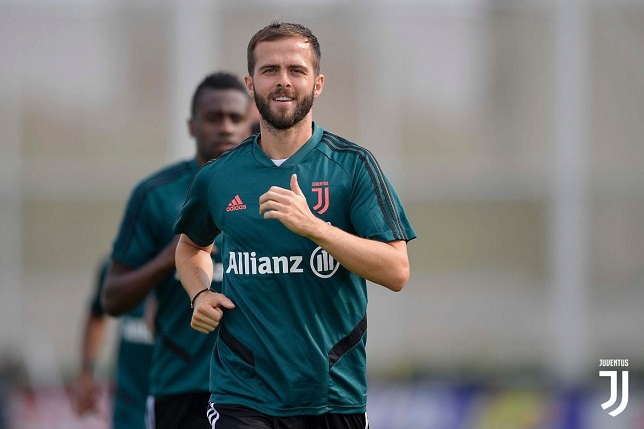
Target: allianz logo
(135, 330)
(321, 264)
(217, 272)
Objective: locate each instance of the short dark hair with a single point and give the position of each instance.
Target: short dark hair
(218, 80)
(283, 30)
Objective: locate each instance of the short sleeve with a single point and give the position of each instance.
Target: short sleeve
(96, 309)
(195, 219)
(134, 244)
(376, 210)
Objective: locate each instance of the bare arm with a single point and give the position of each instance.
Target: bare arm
(86, 389)
(194, 266)
(126, 288)
(384, 263)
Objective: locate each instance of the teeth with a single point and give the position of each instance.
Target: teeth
(282, 99)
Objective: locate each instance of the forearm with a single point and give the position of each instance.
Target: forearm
(93, 336)
(125, 289)
(383, 263)
(85, 391)
(194, 266)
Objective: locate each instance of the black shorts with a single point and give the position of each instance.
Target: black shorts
(240, 417)
(185, 410)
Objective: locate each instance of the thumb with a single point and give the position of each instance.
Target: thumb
(295, 187)
(225, 302)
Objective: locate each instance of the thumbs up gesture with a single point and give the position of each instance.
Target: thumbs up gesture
(290, 207)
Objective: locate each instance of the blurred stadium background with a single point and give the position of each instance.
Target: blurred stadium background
(513, 131)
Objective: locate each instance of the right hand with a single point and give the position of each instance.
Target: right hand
(208, 311)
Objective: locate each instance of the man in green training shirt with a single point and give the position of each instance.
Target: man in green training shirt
(143, 259)
(306, 218)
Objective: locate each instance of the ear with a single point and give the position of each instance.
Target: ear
(191, 127)
(319, 84)
(250, 88)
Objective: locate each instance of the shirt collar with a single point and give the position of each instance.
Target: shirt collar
(294, 159)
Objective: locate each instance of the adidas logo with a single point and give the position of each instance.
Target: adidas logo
(236, 204)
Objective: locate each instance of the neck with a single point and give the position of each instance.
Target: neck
(281, 144)
(200, 160)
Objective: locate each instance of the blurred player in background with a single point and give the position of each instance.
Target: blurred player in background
(143, 259)
(132, 362)
(306, 216)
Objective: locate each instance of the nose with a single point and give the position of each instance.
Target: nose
(226, 125)
(284, 80)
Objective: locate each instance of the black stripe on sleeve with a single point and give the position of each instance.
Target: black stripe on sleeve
(383, 193)
(139, 195)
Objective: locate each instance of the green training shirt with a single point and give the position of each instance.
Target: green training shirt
(180, 356)
(295, 342)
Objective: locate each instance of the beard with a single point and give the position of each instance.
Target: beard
(281, 120)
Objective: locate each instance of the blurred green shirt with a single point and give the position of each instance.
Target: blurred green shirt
(180, 358)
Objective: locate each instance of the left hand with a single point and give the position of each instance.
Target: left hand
(85, 400)
(289, 207)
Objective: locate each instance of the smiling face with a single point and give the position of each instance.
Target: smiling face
(284, 83)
